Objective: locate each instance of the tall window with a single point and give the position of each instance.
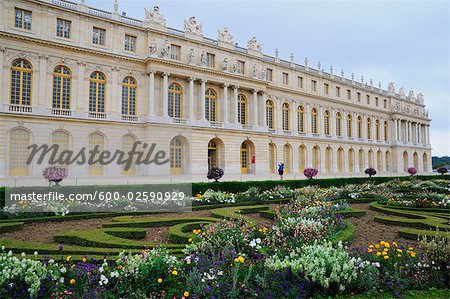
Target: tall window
(96, 140)
(176, 156)
(301, 119)
(300, 82)
(361, 160)
(338, 91)
(349, 94)
(61, 87)
(129, 86)
(380, 161)
(210, 104)
(285, 116)
(287, 158)
(127, 145)
(97, 83)
(18, 152)
(340, 160)
(377, 130)
(371, 160)
(63, 28)
(326, 123)
(313, 85)
(269, 75)
(269, 114)
(210, 60)
(387, 161)
(349, 126)
(285, 78)
(130, 43)
(369, 128)
(351, 160)
(61, 138)
(386, 131)
(358, 96)
(22, 19)
(328, 159)
(316, 157)
(240, 67)
(98, 36)
(21, 76)
(302, 158)
(175, 52)
(359, 127)
(368, 99)
(175, 101)
(326, 88)
(272, 160)
(314, 121)
(242, 109)
(339, 124)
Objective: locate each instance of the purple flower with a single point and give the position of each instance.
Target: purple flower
(310, 172)
(412, 171)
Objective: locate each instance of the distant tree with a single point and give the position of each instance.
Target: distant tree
(442, 170)
(370, 171)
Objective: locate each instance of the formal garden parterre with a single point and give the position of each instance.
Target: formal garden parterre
(285, 239)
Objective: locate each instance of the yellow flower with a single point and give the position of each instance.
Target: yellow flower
(203, 233)
(186, 294)
(369, 250)
(399, 255)
(370, 246)
(84, 260)
(188, 262)
(384, 253)
(378, 253)
(72, 281)
(386, 244)
(68, 258)
(395, 244)
(160, 280)
(377, 246)
(399, 250)
(175, 272)
(120, 266)
(386, 249)
(386, 257)
(190, 240)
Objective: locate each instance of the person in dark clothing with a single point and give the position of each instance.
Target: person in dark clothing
(281, 169)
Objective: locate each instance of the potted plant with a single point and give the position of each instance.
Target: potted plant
(412, 171)
(55, 174)
(310, 172)
(370, 171)
(215, 173)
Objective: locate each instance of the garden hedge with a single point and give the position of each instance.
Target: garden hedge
(10, 227)
(181, 233)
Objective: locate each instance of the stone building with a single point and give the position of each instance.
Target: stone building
(78, 76)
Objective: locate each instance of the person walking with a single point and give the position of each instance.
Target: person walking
(281, 170)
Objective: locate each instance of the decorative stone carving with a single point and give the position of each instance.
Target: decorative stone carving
(401, 91)
(203, 59)
(255, 71)
(397, 106)
(306, 61)
(192, 26)
(225, 36)
(391, 88)
(420, 97)
(263, 74)
(254, 45)
(235, 67)
(116, 6)
(225, 65)
(412, 96)
(165, 49)
(408, 109)
(152, 49)
(191, 56)
(154, 16)
(416, 111)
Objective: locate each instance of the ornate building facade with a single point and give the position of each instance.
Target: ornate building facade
(77, 76)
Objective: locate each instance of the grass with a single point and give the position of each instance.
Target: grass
(414, 294)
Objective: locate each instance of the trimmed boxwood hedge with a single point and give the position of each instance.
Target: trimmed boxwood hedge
(10, 227)
(180, 233)
(346, 236)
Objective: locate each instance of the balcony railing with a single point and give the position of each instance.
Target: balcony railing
(20, 108)
(97, 115)
(61, 112)
(131, 118)
(216, 124)
(179, 120)
(247, 127)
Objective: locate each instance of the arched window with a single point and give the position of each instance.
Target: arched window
(380, 161)
(96, 140)
(359, 127)
(405, 161)
(242, 109)
(272, 161)
(328, 159)
(387, 161)
(316, 157)
(269, 114)
(176, 156)
(327, 123)
(302, 158)
(377, 130)
(361, 160)
(301, 119)
(210, 104)
(287, 158)
(212, 154)
(21, 77)
(386, 131)
(62, 79)
(369, 128)
(175, 104)
(97, 83)
(19, 140)
(127, 145)
(61, 138)
(340, 160)
(351, 160)
(349, 126)
(129, 86)
(338, 124)
(425, 162)
(371, 164)
(416, 161)
(285, 117)
(314, 121)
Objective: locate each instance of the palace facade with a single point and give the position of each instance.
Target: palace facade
(78, 77)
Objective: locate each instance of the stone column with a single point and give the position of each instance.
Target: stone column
(81, 87)
(203, 99)
(151, 93)
(409, 132)
(320, 123)
(226, 105)
(344, 124)
(191, 99)
(255, 107)
(278, 115)
(419, 133)
(264, 99)
(355, 125)
(235, 103)
(42, 83)
(333, 128)
(294, 127)
(308, 119)
(428, 135)
(395, 130)
(2, 54)
(165, 97)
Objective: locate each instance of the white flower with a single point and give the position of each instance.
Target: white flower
(114, 274)
(100, 269)
(252, 243)
(35, 253)
(22, 254)
(61, 280)
(63, 270)
(3, 248)
(103, 280)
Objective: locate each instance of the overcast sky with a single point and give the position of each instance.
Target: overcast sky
(406, 42)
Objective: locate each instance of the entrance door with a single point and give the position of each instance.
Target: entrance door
(212, 155)
(244, 158)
